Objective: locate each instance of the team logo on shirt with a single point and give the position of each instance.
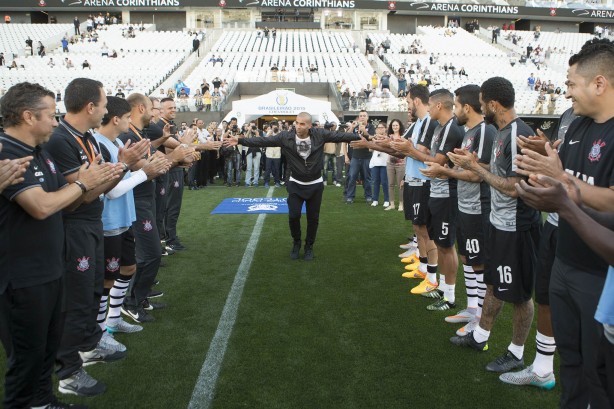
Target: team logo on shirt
(595, 153)
(498, 148)
(468, 143)
(553, 12)
(84, 263)
(51, 166)
(147, 225)
(113, 264)
(176, 184)
(162, 192)
(42, 3)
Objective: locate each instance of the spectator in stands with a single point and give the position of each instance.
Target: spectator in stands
(2, 60)
(129, 85)
(179, 86)
(219, 60)
(462, 72)
(41, 49)
(13, 65)
(283, 74)
(86, 65)
(538, 84)
(206, 100)
(274, 71)
(531, 82)
(204, 86)
(120, 94)
(64, 44)
(266, 32)
(113, 54)
(313, 68)
(68, 63)
(374, 80)
(354, 101)
(541, 102)
(77, 25)
(51, 63)
(296, 14)
(300, 76)
(89, 24)
(29, 44)
(385, 80)
(183, 100)
(217, 83)
(58, 95)
(104, 50)
(274, 33)
(216, 100)
(198, 100)
(161, 94)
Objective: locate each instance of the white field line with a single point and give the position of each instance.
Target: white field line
(204, 390)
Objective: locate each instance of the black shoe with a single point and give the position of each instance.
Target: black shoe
(295, 250)
(154, 294)
(168, 251)
(308, 253)
(156, 282)
(176, 246)
(150, 306)
(138, 314)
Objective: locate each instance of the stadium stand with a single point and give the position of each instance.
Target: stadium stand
(133, 62)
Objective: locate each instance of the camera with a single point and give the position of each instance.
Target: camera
(235, 128)
(173, 129)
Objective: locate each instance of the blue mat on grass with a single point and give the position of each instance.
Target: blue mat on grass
(253, 205)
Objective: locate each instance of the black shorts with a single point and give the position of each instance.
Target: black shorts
(510, 263)
(441, 221)
(545, 259)
(84, 252)
(470, 236)
(416, 202)
(119, 251)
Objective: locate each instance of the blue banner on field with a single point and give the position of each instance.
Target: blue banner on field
(253, 205)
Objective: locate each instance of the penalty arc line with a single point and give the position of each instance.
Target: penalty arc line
(204, 390)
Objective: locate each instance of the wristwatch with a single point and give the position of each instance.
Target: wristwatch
(126, 167)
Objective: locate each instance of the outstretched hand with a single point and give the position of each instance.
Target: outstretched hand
(359, 144)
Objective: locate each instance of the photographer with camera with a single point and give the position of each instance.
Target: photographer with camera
(252, 156)
(231, 155)
(304, 150)
(273, 158)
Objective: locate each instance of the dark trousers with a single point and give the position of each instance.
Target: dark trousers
(83, 285)
(173, 207)
(574, 295)
(192, 173)
(311, 195)
(148, 252)
(605, 367)
(161, 203)
(30, 330)
(272, 166)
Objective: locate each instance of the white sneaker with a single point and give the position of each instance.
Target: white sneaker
(400, 208)
(386, 204)
(338, 184)
(465, 315)
(408, 253)
(108, 342)
(391, 207)
(374, 204)
(411, 245)
(119, 325)
(470, 327)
